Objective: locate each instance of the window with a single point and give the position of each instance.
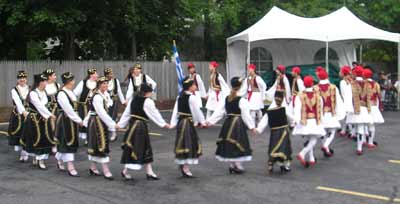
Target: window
(319, 57)
(262, 58)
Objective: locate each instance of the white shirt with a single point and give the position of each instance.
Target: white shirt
(39, 100)
(23, 90)
(98, 105)
(51, 89)
(112, 86)
(200, 85)
(149, 108)
(220, 112)
(91, 85)
(137, 80)
(65, 105)
(194, 106)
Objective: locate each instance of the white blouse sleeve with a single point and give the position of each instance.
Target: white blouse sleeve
(174, 117)
(201, 87)
(126, 116)
(102, 113)
(245, 113)
(262, 86)
(78, 89)
(224, 86)
(149, 80)
(262, 124)
(17, 100)
(130, 91)
(63, 101)
(297, 110)
(40, 106)
(218, 114)
(195, 110)
(287, 89)
(300, 84)
(152, 112)
(119, 92)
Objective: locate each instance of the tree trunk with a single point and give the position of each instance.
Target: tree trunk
(133, 47)
(68, 46)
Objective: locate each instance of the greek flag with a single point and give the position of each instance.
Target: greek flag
(179, 70)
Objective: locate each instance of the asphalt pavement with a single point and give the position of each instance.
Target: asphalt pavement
(346, 178)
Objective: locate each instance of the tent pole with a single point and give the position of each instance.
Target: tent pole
(361, 52)
(398, 72)
(327, 56)
(248, 52)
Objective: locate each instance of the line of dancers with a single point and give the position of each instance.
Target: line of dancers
(50, 118)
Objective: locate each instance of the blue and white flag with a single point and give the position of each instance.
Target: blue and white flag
(179, 70)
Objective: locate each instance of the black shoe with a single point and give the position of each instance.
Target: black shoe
(73, 175)
(184, 175)
(235, 170)
(126, 177)
(285, 169)
(92, 173)
(110, 178)
(152, 177)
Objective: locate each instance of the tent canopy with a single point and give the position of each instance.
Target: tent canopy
(336, 26)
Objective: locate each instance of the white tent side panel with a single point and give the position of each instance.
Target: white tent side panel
(287, 52)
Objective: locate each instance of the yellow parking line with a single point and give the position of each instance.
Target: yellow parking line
(354, 193)
(394, 161)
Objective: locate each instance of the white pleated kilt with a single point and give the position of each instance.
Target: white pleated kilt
(330, 121)
(376, 115)
(311, 128)
(212, 102)
(256, 101)
(362, 118)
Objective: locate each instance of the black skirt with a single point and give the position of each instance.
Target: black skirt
(82, 112)
(280, 148)
(113, 110)
(66, 134)
(137, 147)
(15, 127)
(187, 142)
(98, 142)
(54, 110)
(36, 137)
(233, 142)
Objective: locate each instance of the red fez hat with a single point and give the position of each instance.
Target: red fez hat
(367, 73)
(190, 65)
(322, 74)
(281, 68)
(358, 71)
(296, 70)
(214, 64)
(319, 68)
(345, 70)
(251, 66)
(308, 81)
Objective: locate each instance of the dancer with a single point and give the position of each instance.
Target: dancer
(99, 123)
(187, 143)
(84, 91)
(278, 118)
(376, 106)
(218, 89)
(307, 116)
(52, 88)
(346, 93)
(136, 79)
(18, 114)
(233, 144)
(254, 89)
(67, 125)
(282, 84)
(200, 93)
(36, 136)
(136, 147)
(332, 110)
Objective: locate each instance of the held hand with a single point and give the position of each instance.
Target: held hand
(203, 125)
(25, 114)
(168, 126)
(254, 132)
(117, 126)
(80, 124)
(53, 117)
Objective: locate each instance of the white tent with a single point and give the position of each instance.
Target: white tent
(294, 40)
